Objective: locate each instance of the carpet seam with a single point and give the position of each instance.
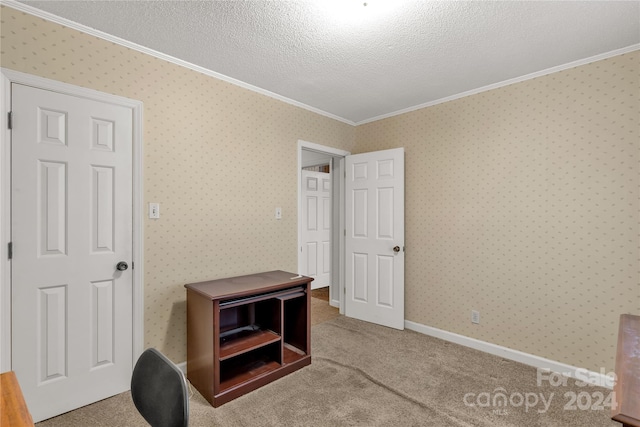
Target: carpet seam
(392, 390)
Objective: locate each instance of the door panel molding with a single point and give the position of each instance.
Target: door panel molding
(316, 227)
(9, 77)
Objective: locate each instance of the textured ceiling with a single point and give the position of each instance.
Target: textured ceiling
(360, 62)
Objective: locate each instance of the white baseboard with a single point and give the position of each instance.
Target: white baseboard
(601, 379)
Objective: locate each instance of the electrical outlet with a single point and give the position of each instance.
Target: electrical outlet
(475, 316)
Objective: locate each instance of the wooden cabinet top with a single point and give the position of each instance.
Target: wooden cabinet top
(13, 409)
(234, 287)
(627, 387)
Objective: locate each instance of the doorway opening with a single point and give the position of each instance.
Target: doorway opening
(321, 250)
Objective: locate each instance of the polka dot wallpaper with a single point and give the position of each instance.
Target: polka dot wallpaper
(218, 159)
(522, 203)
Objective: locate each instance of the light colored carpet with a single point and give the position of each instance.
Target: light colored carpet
(367, 375)
(321, 311)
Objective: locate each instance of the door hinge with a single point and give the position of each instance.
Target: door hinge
(10, 250)
(9, 120)
(133, 265)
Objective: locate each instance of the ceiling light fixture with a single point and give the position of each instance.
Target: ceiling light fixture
(354, 11)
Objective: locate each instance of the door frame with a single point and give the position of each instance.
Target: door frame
(337, 213)
(8, 77)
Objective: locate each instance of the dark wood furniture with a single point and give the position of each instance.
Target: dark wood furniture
(627, 388)
(13, 409)
(244, 332)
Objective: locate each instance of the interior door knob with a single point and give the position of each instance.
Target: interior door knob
(122, 266)
(396, 249)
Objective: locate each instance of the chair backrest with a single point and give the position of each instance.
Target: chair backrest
(159, 390)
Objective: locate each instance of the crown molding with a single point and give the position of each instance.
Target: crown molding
(125, 43)
(530, 76)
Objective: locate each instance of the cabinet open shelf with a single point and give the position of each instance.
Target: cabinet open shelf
(244, 368)
(246, 340)
(244, 332)
(291, 354)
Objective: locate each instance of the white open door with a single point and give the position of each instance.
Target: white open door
(374, 243)
(316, 227)
(71, 227)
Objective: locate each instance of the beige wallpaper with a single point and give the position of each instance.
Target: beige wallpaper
(522, 203)
(218, 159)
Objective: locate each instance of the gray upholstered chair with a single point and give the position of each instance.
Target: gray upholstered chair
(159, 390)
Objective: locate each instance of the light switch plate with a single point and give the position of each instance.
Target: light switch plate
(278, 213)
(154, 210)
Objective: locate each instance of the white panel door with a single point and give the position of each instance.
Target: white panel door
(71, 225)
(316, 227)
(374, 244)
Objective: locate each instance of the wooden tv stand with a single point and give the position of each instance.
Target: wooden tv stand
(244, 332)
